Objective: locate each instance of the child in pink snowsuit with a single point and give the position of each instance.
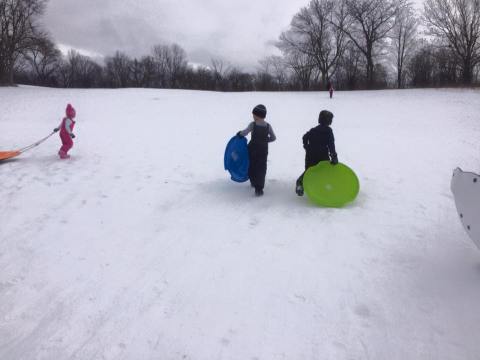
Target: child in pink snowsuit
(66, 132)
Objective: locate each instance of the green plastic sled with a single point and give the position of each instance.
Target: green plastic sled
(331, 186)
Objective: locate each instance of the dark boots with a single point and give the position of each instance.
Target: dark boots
(299, 186)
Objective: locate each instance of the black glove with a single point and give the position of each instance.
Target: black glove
(56, 129)
(239, 134)
(334, 160)
(72, 136)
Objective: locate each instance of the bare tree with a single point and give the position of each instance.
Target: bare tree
(220, 69)
(203, 78)
(19, 30)
(239, 81)
(171, 62)
(421, 67)
(118, 69)
(43, 58)
(368, 23)
(136, 73)
(303, 69)
(147, 64)
(79, 71)
(264, 81)
(177, 64)
(447, 67)
(312, 33)
(348, 73)
(161, 53)
(276, 68)
(63, 73)
(198, 78)
(404, 39)
(457, 23)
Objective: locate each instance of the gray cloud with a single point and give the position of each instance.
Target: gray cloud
(239, 31)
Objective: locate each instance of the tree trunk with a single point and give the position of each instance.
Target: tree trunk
(399, 77)
(467, 72)
(370, 68)
(6, 74)
(324, 80)
(370, 75)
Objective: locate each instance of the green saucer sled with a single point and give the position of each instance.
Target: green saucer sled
(331, 186)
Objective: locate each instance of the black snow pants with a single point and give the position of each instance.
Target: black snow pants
(309, 162)
(258, 165)
(258, 154)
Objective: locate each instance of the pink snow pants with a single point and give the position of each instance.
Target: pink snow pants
(67, 144)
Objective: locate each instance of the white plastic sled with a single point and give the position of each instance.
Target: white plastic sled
(466, 191)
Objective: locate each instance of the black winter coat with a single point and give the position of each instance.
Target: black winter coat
(319, 144)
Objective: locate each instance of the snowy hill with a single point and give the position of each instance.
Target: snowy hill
(139, 246)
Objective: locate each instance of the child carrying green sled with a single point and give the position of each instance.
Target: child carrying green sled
(319, 145)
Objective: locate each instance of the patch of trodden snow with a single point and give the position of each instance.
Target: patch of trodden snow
(140, 247)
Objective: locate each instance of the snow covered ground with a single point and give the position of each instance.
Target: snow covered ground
(140, 247)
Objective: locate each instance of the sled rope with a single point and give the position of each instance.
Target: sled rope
(26, 148)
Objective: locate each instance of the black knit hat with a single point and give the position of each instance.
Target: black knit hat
(260, 111)
(325, 118)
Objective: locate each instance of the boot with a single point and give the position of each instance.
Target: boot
(258, 192)
(299, 189)
(63, 155)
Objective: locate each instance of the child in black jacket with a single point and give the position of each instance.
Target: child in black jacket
(262, 134)
(319, 144)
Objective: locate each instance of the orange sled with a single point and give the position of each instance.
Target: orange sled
(6, 155)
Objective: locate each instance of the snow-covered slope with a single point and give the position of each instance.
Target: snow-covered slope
(140, 247)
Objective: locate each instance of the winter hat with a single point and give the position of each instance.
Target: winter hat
(71, 113)
(260, 111)
(325, 118)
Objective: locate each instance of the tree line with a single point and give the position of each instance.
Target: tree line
(380, 43)
(352, 44)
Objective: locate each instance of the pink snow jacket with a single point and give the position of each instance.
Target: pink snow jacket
(66, 127)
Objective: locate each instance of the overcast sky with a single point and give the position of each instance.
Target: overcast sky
(239, 31)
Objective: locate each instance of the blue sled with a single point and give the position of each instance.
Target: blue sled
(236, 159)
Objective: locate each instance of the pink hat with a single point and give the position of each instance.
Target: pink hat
(71, 113)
